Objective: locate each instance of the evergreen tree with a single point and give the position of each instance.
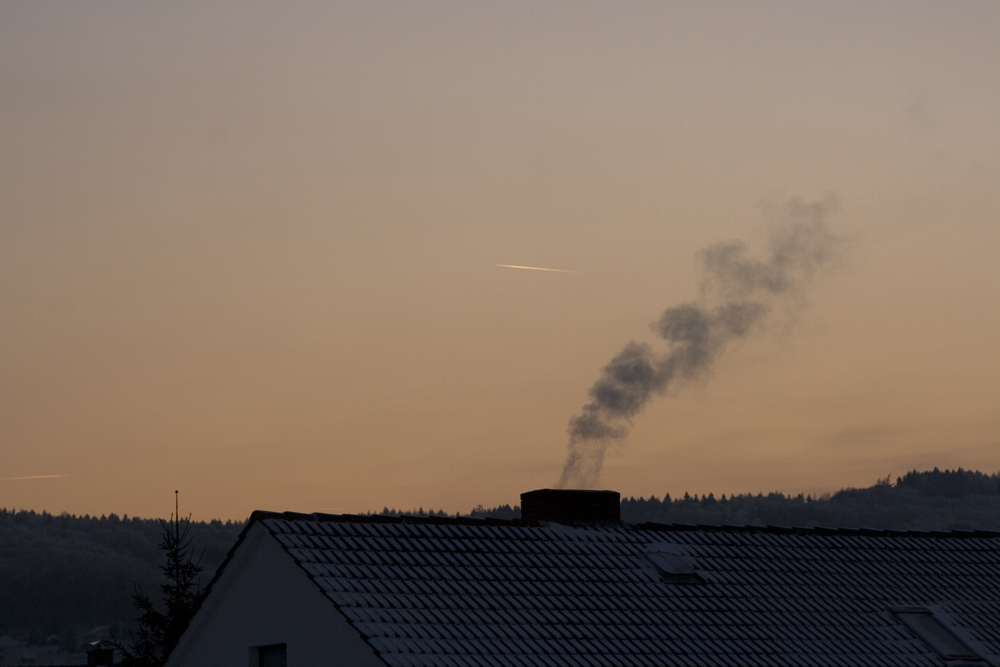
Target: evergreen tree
(159, 632)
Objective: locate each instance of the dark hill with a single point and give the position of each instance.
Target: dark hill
(60, 575)
(933, 500)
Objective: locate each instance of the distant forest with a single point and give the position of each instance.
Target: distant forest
(934, 500)
(61, 576)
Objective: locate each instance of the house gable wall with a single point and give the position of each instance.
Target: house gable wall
(264, 598)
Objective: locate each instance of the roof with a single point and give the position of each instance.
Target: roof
(495, 593)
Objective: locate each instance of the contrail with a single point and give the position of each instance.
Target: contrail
(533, 268)
(738, 294)
(11, 479)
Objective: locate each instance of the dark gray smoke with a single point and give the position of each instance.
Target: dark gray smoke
(738, 294)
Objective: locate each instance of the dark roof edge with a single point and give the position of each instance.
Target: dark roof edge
(259, 515)
(218, 573)
(816, 530)
(222, 566)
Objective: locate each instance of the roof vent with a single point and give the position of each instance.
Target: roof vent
(673, 562)
(571, 506)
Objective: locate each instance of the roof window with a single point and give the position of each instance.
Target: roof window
(273, 655)
(935, 634)
(674, 562)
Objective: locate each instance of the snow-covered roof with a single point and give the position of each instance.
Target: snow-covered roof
(473, 593)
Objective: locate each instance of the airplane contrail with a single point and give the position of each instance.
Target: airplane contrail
(11, 479)
(534, 268)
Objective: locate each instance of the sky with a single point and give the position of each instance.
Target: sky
(248, 251)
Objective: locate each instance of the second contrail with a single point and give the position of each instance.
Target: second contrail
(11, 479)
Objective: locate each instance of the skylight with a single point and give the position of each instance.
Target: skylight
(673, 562)
(933, 633)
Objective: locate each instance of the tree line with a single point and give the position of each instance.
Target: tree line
(932, 500)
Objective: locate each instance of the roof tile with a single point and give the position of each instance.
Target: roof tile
(454, 593)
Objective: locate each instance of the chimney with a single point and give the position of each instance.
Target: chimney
(100, 653)
(571, 506)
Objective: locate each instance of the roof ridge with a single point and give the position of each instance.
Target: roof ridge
(259, 515)
(814, 530)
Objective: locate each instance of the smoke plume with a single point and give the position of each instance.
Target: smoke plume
(738, 295)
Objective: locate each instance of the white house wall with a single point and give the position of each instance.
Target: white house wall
(264, 598)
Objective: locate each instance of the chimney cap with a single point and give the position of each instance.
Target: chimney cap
(571, 506)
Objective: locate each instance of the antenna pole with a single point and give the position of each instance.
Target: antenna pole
(177, 515)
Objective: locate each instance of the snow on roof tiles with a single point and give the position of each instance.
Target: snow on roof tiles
(455, 593)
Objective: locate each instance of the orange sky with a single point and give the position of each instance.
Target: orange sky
(249, 250)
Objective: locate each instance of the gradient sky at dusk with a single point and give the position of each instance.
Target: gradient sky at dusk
(249, 250)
